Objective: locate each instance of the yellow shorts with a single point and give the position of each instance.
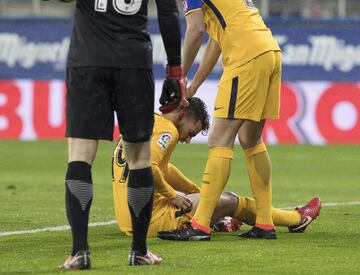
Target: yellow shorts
(251, 91)
(166, 221)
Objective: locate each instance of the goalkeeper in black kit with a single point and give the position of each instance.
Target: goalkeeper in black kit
(109, 69)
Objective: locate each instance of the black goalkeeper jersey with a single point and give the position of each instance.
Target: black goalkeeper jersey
(111, 33)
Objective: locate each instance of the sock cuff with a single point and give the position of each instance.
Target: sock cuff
(201, 227)
(142, 172)
(140, 178)
(221, 152)
(255, 150)
(79, 170)
(265, 226)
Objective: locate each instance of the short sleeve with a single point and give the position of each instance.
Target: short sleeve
(191, 5)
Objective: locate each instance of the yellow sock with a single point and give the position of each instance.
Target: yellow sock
(285, 217)
(215, 176)
(246, 212)
(259, 172)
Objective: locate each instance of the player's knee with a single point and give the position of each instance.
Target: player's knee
(230, 199)
(248, 141)
(82, 149)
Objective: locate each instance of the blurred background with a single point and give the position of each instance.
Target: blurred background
(320, 105)
(320, 41)
(295, 8)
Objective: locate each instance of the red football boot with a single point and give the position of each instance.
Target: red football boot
(309, 213)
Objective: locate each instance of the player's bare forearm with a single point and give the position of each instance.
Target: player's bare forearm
(195, 30)
(210, 58)
(168, 18)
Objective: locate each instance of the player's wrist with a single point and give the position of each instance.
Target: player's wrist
(174, 71)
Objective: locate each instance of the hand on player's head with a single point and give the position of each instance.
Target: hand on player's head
(173, 92)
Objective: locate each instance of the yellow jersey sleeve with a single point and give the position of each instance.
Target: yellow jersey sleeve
(161, 186)
(164, 139)
(179, 181)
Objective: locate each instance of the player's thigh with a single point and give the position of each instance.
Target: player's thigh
(242, 93)
(89, 111)
(272, 104)
(223, 132)
(250, 133)
(134, 103)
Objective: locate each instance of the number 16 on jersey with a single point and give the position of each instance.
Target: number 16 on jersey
(126, 7)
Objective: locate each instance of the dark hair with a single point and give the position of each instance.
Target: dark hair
(198, 111)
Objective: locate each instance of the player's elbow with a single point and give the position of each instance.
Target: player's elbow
(196, 30)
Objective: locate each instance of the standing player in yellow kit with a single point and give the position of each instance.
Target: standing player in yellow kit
(248, 94)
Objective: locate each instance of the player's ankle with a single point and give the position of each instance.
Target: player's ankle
(265, 226)
(203, 228)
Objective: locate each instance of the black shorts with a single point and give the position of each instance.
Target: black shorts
(94, 93)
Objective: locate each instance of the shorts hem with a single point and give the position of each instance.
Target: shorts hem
(257, 119)
(90, 137)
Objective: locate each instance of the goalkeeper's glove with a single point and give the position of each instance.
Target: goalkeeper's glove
(173, 90)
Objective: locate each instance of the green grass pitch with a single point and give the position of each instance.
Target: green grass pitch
(32, 196)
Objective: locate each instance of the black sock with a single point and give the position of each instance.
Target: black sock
(78, 198)
(140, 200)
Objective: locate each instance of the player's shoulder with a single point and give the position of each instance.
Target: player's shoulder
(164, 132)
(162, 125)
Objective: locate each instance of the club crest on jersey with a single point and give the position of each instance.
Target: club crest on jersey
(164, 141)
(185, 6)
(249, 4)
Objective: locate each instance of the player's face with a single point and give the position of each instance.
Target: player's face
(188, 128)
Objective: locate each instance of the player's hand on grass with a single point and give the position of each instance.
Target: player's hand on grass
(182, 201)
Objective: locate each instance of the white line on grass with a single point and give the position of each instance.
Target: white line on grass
(66, 227)
(55, 228)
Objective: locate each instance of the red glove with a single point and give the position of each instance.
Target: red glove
(173, 90)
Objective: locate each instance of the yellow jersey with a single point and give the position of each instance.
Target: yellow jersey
(238, 28)
(164, 139)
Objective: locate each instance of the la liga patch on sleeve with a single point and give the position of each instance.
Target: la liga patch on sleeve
(164, 141)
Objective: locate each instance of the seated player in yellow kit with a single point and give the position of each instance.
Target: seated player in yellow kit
(175, 196)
